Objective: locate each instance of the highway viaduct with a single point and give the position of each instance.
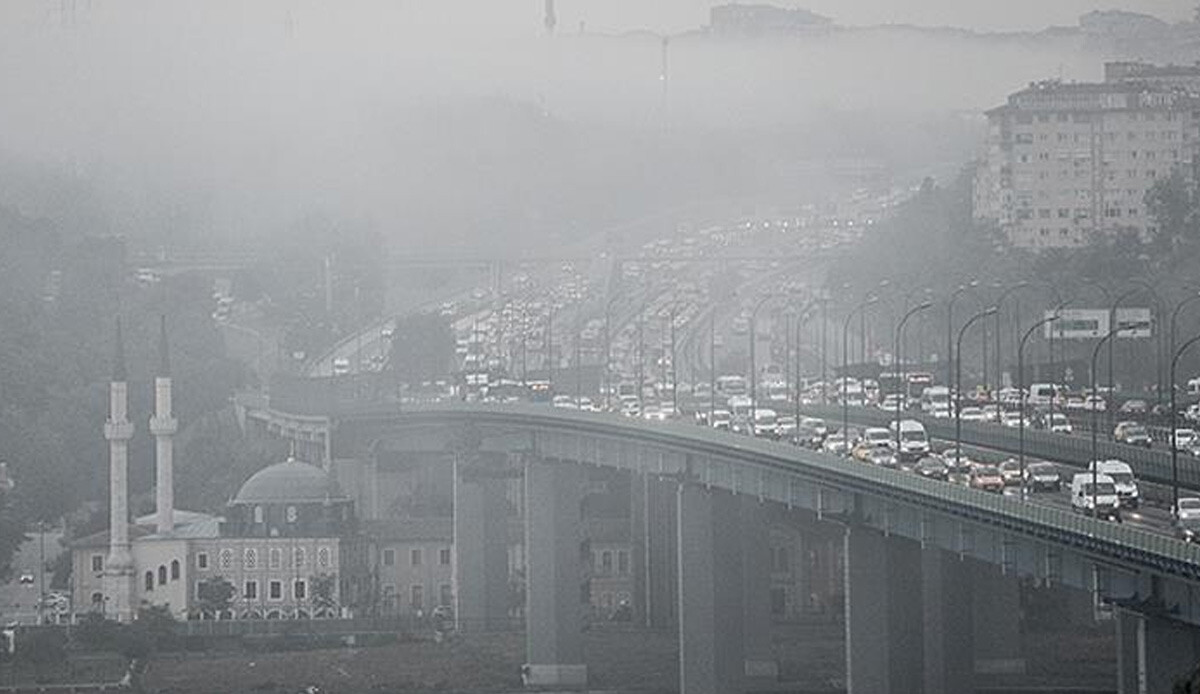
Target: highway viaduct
(931, 569)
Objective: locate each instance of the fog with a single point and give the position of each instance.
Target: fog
(437, 121)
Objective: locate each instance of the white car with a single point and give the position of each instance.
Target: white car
(1189, 507)
(1185, 439)
(1013, 419)
(971, 414)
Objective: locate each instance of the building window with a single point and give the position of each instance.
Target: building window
(298, 557)
(202, 561)
(276, 558)
(606, 562)
(258, 514)
(251, 558)
(291, 514)
(275, 590)
(389, 557)
(174, 569)
(418, 597)
(97, 562)
(226, 558)
(622, 562)
(444, 556)
(415, 556)
(251, 590)
(445, 595)
(389, 596)
(323, 557)
(162, 575)
(149, 581)
(97, 599)
(300, 589)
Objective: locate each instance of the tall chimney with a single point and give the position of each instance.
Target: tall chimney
(118, 568)
(163, 426)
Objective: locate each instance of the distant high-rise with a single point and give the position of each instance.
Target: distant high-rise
(1067, 164)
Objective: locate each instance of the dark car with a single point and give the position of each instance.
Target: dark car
(932, 468)
(1042, 476)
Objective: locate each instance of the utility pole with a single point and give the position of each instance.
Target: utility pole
(551, 19)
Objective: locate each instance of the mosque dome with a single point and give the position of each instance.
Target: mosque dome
(291, 481)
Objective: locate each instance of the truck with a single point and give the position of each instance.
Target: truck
(935, 401)
(914, 442)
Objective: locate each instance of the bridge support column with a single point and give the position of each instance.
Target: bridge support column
(949, 655)
(884, 646)
(660, 542)
(554, 611)
(759, 664)
(997, 621)
(711, 631)
(1152, 653)
(480, 549)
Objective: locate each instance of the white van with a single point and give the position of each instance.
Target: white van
(1042, 394)
(1122, 476)
(766, 422)
(1104, 495)
(914, 442)
(935, 401)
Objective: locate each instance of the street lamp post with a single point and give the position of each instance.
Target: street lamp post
(608, 350)
(1174, 432)
(1174, 320)
(824, 345)
(999, 303)
(958, 382)
(712, 365)
(845, 359)
(1112, 326)
(753, 374)
(950, 327)
(1021, 393)
(900, 364)
(1112, 330)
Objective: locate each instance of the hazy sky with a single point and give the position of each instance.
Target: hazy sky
(676, 15)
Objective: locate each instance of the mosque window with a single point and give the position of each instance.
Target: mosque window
(149, 582)
(202, 561)
(300, 589)
(298, 557)
(258, 514)
(291, 514)
(97, 562)
(174, 569)
(323, 556)
(226, 559)
(162, 574)
(251, 558)
(276, 558)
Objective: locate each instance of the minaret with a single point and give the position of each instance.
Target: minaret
(118, 568)
(551, 18)
(163, 426)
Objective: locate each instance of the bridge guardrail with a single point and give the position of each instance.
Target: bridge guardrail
(1152, 465)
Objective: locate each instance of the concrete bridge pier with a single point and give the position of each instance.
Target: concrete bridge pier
(480, 548)
(1153, 652)
(724, 592)
(659, 538)
(554, 581)
(997, 620)
(948, 633)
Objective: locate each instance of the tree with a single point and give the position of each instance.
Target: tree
(214, 596)
(12, 535)
(324, 592)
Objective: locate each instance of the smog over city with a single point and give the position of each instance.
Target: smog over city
(580, 345)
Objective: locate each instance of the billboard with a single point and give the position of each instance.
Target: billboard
(1092, 324)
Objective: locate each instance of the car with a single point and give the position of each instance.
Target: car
(1093, 403)
(1186, 439)
(881, 456)
(26, 579)
(972, 414)
(986, 478)
(1013, 419)
(891, 402)
(564, 401)
(932, 468)
(1188, 529)
(957, 460)
(991, 412)
(785, 427)
(914, 443)
(766, 423)
(388, 332)
(1188, 507)
(1134, 407)
(341, 366)
(1010, 470)
(1042, 476)
(834, 443)
(1057, 423)
(721, 419)
(1132, 433)
(878, 436)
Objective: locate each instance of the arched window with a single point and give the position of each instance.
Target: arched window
(298, 557)
(175, 570)
(149, 580)
(97, 599)
(258, 514)
(276, 558)
(251, 558)
(226, 559)
(323, 557)
(162, 574)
